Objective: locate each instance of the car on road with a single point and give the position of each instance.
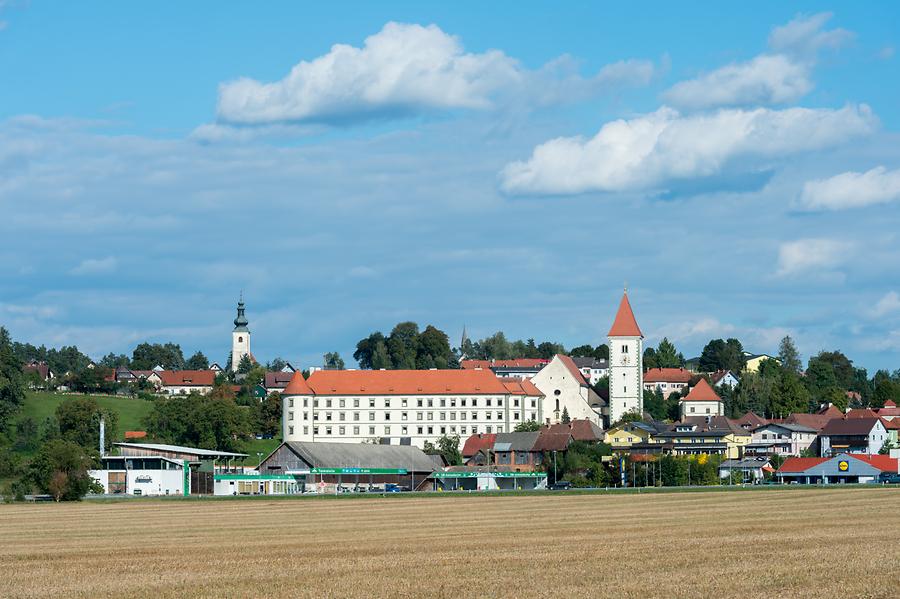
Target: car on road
(561, 485)
(890, 478)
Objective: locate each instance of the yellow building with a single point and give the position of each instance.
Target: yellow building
(622, 437)
(754, 360)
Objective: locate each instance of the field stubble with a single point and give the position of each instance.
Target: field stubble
(779, 543)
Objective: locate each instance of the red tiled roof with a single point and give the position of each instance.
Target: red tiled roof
(517, 363)
(861, 413)
(135, 435)
(625, 324)
(298, 385)
(816, 421)
(831, 411)
(751, 419)
(477, 443)
(882, 462)
(800, 464)
(573, 369)
(580, 429)
(187, 378)
(667, 375)
(405, 382)
(277, 379)
(520, 387)
(702, 392)
(893, 424)
(890, 404)
(552, 441)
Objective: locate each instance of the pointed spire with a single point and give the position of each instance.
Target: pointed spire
(625, 324)
(297, 386)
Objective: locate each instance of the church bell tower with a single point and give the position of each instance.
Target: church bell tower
(240, 337)
(626, 373)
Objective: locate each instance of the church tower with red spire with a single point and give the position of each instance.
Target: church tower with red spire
(626, 372)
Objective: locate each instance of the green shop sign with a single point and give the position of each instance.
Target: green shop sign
(255, 477)
(359, 471)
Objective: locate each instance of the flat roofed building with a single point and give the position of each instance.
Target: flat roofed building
(842, 468)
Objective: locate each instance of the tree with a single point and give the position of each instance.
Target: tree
(527, 426)
(268, 415)
(113, 361)
(276, 365)
(433, 349)
(667, 356)
(547, 349)
(722, 355)
(380, 357)
(245, 365)
(447, 447)
(497, 347)
(60, 468)
(365, 350)
(789, 356)
(197, 362)
(582, 351)
(79, 422)
(649, 358)
(212, 421)
(147, 356)
(565, 419)
(12, 382)
(333, 361)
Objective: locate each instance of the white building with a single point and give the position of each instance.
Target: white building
(240, 337)
(701, 401)
(666, 380)
(565, 389)
(592, 369)
(147, 475)
(626, 388)
(404, 407)
(781, 439)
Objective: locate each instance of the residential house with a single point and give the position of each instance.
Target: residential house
(39, 371)
(623, 436)
(277, 381)
(889, 411)
(565, 390)
(477, 449)
(579, 430)
(781, 439)
(750, 421)
(666, 380)
(701, 401)
(723, 378)
(517, 451)
(753, 361)
(183, 382)
(712, 435)
(852, 435)
(752, 469)
(592, 369)
(817, 420)
(842, 468)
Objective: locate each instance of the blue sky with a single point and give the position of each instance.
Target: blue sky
(356, 165)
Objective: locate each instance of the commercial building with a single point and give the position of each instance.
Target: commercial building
(485, 478)
(404, 407)
(332, 467)
(842, 468)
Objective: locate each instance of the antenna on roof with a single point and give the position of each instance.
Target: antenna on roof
(625, 286)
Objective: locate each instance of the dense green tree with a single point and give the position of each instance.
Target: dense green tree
(667, 356)
(650, 360)
(582, 351)
(147, 356)
(92, 380)
(245, 365)
(789, 356)
(655, 404)
(527, 426)
(276, 365)
(721, 354)
(403, 345)
(197, 362)
(113, 361)
(268, 415)
(380, 357)
(564, 418)
(365, 351)
(79, 422)
(12, 382)
(433, 349)
(548, 349)
(447, 447)
(496, 347)
(211, 421)
(60, 468)
(333, 361)
(886, 387)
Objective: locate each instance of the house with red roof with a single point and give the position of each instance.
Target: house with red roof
(701, 401)
(666, 380)
(183, 382)
(852, 435)
(889, 411)
(843, 468)
(567, 392)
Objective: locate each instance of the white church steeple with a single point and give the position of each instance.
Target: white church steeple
(240, 337)
(626, 373)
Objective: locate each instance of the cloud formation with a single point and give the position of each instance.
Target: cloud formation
(851, 190)
(779, 77)
(888, 304)
(811, 256)
(93, 266)
(653, 150)
(404, 70)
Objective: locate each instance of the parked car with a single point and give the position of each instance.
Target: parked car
(392, 488)
(890, 478)
(561, 485)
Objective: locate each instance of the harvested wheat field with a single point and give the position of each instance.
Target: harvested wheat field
(772, 543)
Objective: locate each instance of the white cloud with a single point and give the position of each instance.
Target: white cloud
(94, 266)
(887, 304)
(851, 190)
(804, 35)
(404, 70)
(812, 255)
(767, 79)
(652, 150)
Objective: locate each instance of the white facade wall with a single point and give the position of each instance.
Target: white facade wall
(240, 346)
(363, 418)
(626, 376)
(187, 389)
(593, 375)
(773, 433)
(877, 436)
(148, 482)
(563, 392)
(702, 408)
(666, 388)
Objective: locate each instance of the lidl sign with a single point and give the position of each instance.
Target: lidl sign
(843, 465)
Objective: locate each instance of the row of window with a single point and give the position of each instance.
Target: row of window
(404, 430)
(342, 416)
(420, 402)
